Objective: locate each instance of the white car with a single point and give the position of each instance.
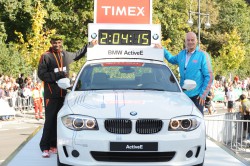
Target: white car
(129, 112)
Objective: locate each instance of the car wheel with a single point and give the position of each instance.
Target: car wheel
(59, 163)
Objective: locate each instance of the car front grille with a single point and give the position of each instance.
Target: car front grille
(124, 126)
(133, 156)
(118, 126)
(148, 126)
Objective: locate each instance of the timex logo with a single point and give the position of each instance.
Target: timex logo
(123, 11)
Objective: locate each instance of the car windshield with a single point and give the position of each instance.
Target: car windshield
(126, 76)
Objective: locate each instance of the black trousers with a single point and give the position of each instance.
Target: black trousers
(247, 124)
(49, 136)
(196, 102)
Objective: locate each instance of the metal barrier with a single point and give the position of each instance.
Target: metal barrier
(229, 130)
(23, 103)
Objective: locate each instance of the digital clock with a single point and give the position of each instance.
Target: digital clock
(124, 37)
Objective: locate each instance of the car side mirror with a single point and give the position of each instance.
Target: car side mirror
(64, 83)
(189, 85)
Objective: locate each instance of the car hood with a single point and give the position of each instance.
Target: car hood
(130, 104)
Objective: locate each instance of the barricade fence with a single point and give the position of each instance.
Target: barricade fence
(230, 130)
(22, 103)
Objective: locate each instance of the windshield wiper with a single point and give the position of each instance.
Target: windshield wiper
(148, 89)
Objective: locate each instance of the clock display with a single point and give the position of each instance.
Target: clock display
(124, 37)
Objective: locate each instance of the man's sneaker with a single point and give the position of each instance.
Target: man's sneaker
(45, 154)
(53, 150)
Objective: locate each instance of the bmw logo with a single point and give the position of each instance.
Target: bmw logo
(133, 113)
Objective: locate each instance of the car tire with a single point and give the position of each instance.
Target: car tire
(59, 163)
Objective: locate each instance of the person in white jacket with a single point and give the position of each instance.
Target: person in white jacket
(231, 97)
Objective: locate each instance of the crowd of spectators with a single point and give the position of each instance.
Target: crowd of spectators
(17, 91)
(230, 91)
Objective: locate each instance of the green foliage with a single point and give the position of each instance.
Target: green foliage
(17, 17)
(3, 35)
(38, 41)
(233, 14)
(172, 15)
(11, 62)
(232, 52)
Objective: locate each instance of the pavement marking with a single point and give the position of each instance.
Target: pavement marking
(19, 128)
(3, 129)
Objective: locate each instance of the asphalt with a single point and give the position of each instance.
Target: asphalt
(27, 114)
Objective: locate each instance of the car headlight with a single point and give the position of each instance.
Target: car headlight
(80, 122)
(185, 123)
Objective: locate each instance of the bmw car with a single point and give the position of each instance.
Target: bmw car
(129, 112)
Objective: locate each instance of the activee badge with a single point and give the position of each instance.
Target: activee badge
(133, 146)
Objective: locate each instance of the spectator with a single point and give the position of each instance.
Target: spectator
(225, 97)
(13, 97)
(231, 97)
(1, 92)
(1, 78)
(236, 79)
(37, 98)
(20, 79)
(208, 102)
(245, 111)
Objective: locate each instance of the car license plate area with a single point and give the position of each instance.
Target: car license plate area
(133, 146)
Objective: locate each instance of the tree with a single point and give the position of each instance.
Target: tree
(17, 17)
(3, 35)
(38, 41)
(11, 62)
(232, 52)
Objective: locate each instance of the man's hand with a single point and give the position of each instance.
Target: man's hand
(158, 46)
(201, 101)
(93, 43)
(60, 74)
